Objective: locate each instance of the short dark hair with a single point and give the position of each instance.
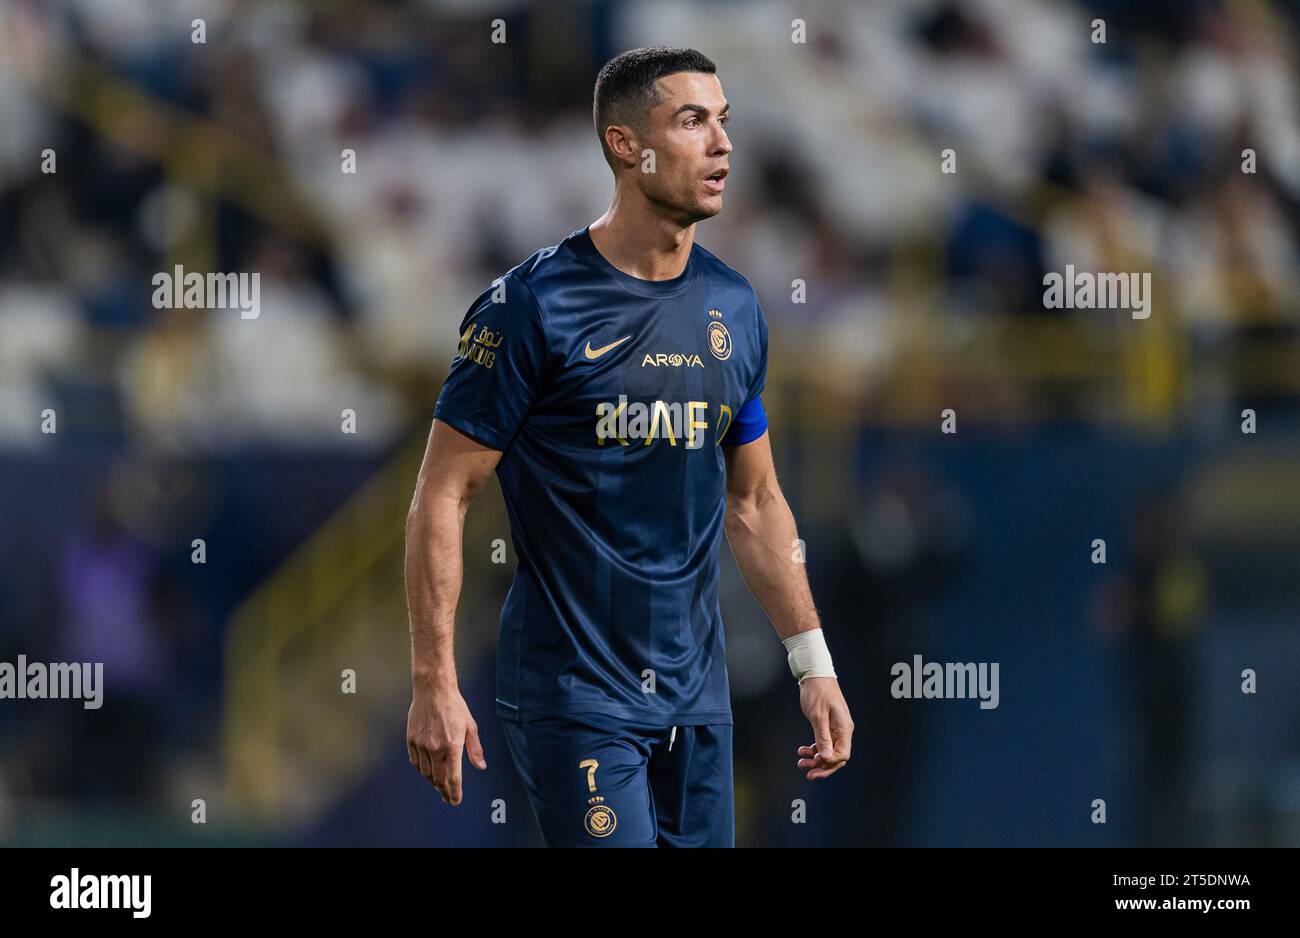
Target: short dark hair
(625, 87)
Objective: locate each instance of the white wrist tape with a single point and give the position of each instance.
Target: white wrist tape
(808, 655)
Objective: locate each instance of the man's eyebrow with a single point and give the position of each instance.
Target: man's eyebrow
(700, 108)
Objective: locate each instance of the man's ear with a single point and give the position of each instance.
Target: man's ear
(623, 142)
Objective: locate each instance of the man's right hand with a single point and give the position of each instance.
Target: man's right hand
(438, 727)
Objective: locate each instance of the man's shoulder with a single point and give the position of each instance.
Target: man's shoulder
(719, 269)
(522, 289)
(543, 262)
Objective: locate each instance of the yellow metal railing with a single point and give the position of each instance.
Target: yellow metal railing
(293, 740)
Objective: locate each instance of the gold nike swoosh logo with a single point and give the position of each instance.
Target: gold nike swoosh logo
(594, 353)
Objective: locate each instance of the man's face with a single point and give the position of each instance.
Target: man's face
(687, 131)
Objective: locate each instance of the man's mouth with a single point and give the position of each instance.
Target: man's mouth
(714, 182)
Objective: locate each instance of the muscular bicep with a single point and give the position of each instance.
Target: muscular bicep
(749, 468)
(455, 466)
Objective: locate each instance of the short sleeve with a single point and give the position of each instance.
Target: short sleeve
(751, 421)
(499, 368)
(760, 381)
(749, 425)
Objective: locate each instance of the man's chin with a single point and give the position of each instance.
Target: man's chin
(705, 209)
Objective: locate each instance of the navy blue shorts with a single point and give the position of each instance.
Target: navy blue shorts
(601, 782)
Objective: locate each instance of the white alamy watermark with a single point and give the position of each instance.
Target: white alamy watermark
(180, 290)
(1085, 290)
(36, 680)
(648, 421)
(105, 891)
(935, 680)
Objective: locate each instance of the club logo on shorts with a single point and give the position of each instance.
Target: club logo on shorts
(719, 341)
(600, 821)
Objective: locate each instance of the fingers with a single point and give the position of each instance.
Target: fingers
(844, 741)
(446, 771)
(474, 748)
(440, 764)
(840, 749)
(821, 724)
(831, 749)
(825, 746)
(820, 764)
(439, 732)
(425, 761)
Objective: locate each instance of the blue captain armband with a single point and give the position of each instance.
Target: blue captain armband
(749, 425)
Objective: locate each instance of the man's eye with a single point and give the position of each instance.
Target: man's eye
(693, 120)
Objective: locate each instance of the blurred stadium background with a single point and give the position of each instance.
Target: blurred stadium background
(924, 292)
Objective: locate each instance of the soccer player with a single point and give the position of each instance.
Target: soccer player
(613, 383)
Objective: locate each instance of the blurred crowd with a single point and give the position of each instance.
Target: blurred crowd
(229, 155)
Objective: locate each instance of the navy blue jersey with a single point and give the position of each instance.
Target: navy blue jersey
(611, 398)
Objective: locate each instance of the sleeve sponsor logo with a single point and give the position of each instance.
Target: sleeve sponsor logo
(479, 348)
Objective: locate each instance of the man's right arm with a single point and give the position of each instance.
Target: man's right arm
(439, 725)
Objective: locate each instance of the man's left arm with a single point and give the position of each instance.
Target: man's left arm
(761, 530)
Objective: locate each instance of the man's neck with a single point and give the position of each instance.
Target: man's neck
(640, 242)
